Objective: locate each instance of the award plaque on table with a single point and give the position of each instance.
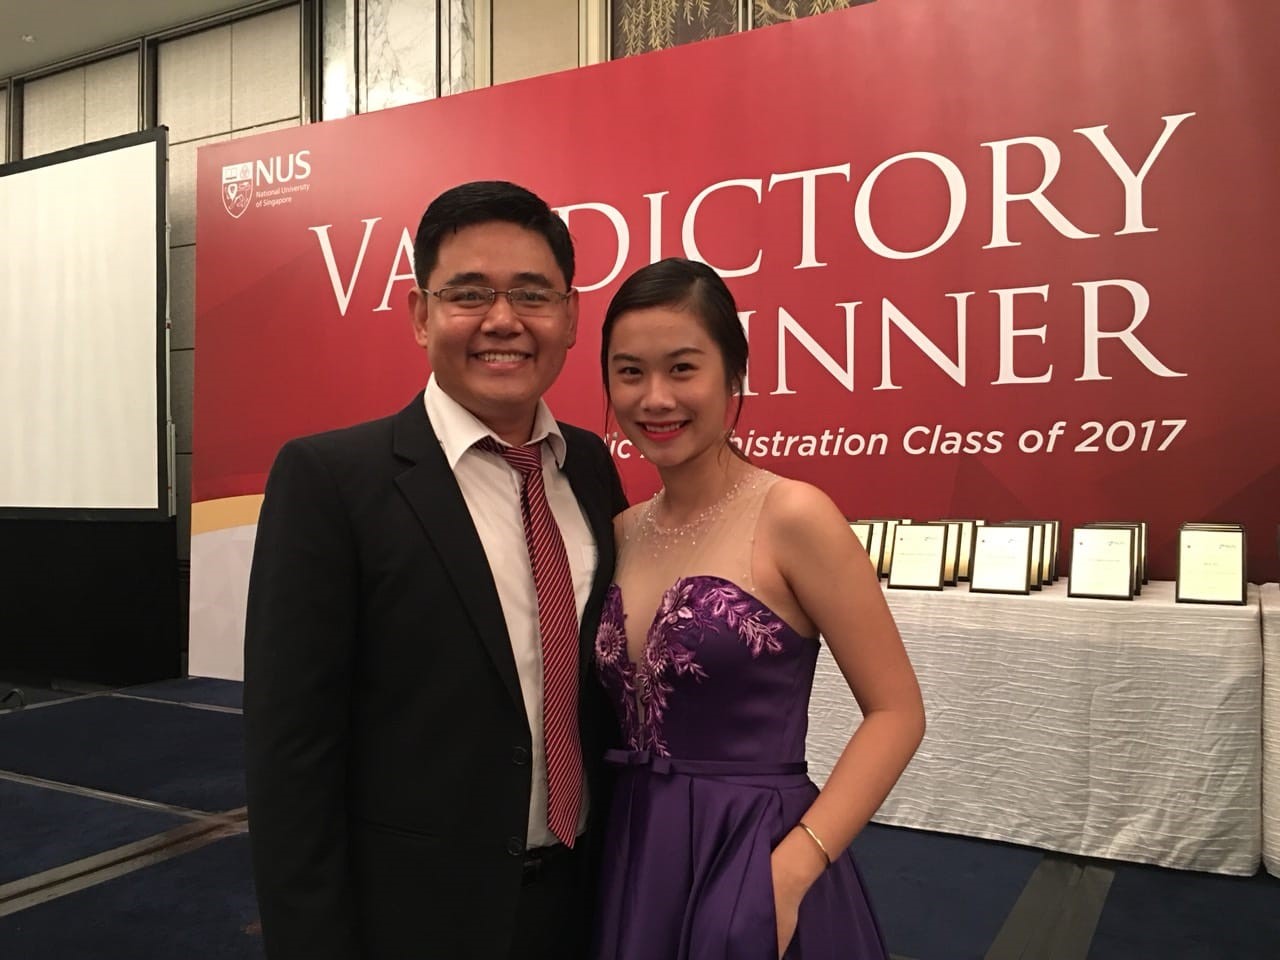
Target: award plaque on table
(1138, 559)
(1141, 544)
(865, 532)
(1053, 555)
(919, 556)
(1211, 564)
(1049, 546)
(881, 544)
(886, 561)
(1102, 562)
(951, 565)
(893, 525)
(965, 556)
(1038, 555)
(1044, 570)
(876, 549)
(1001, 560)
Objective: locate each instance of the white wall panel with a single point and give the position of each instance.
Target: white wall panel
(194, 80)
(111, 97)
(265, 65)
(400, 47)
(182, 190)
(533, 37)
(53, 113)
(457, 39)
(338, 96)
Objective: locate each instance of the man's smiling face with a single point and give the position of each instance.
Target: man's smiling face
(497, 363)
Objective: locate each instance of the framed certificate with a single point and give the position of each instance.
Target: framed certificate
(1138, 559)
(1211, 565)
(919, 556)
(1102, 562)
(1045, 569)
(965, 556)
(878, 548)
(1054, 551)
(886, 561)
(1001, 560)
(951, 562)
(894, 524)
(1038, 555)
(864, 531)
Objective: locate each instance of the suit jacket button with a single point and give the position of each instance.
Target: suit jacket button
(515, 846)
(519, 756)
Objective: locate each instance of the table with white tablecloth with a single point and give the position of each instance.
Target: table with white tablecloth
(1120, 729)
(1270, 597)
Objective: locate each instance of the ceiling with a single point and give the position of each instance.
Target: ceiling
(67, 28)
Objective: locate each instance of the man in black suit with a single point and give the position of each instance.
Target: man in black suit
(397, 742)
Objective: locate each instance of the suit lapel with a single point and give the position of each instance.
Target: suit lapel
(432, 491)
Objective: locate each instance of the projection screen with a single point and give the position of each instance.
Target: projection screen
(84, 394)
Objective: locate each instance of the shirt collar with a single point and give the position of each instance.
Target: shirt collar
(458, 429)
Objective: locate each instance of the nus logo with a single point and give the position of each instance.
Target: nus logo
(240, 181)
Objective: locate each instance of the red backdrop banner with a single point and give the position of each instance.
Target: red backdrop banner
(996, 258)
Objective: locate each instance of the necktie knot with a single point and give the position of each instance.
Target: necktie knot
(527, 460)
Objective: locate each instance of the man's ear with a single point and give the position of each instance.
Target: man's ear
(571, 310)
(419, 308)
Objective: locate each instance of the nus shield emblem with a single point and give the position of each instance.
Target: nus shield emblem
(237, 188)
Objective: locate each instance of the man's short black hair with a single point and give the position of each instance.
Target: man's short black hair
(487, 201)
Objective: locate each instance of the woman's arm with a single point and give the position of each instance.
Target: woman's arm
(808, 541)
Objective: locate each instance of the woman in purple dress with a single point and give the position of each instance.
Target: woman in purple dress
(718, 844)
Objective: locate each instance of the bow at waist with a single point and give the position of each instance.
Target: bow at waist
(703, 768)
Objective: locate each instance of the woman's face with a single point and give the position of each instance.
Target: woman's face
(667, 384)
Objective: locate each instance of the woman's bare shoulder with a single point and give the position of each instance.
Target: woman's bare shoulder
(801, 505)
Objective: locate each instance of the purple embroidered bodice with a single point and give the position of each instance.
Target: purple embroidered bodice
(722, 677)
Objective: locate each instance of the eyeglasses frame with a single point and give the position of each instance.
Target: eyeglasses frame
(494, 293)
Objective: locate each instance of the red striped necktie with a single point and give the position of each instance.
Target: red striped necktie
(558, 626)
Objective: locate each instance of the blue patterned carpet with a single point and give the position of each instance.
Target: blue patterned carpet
(938, 897)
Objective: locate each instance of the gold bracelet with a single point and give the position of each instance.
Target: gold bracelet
(814, 837)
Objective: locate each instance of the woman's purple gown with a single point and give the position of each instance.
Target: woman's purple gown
(715, 715)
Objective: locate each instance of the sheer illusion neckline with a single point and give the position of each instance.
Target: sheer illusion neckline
(648, 518)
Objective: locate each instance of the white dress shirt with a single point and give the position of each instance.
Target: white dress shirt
(491, 488)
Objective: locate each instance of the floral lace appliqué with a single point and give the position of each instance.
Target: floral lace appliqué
(616, 670)
(691, 610)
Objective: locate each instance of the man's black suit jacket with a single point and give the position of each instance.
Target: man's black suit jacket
(386, 739)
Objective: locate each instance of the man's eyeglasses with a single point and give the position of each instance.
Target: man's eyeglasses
(525, 301)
